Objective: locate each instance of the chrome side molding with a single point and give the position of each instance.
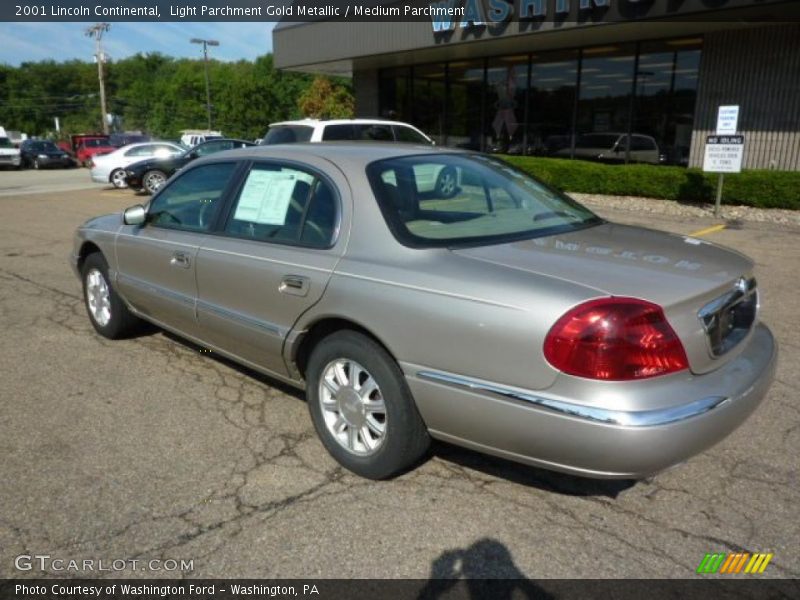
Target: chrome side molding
(642, 418)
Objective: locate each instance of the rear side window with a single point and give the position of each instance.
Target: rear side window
(284, 205)
(334, 133)
(288, 134)
(375, 133)
(358, 131)
(408, 135)
(193, 201)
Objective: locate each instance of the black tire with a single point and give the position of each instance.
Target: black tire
(447, 183)
(148, 177)
(406, 438)
(122, 322)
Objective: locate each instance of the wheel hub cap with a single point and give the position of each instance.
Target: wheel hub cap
(98, 297)
(352, 407)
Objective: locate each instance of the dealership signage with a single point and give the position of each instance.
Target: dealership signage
(447, 15)
(723, 154)
(474, 13)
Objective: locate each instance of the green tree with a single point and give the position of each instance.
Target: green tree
(157, 94)
(324, 99)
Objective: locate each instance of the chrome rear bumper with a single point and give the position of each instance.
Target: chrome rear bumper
(599, 429)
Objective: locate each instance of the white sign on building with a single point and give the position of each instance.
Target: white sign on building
(728, 120)
(724, 154)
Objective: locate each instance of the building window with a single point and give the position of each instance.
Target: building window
(395, 99)
(666, 90)
(584, 104)
(604, 101)
(506, 93)
(551, 102)
(464, 104)
(429, 85)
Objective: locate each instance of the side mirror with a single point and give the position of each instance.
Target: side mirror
(134, 215)
(193, 155)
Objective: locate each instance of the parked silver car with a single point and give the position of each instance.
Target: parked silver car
(505, 317)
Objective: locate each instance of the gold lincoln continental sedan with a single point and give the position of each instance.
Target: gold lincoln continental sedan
(498, 314)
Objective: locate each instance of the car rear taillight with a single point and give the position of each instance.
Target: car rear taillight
(615, 339)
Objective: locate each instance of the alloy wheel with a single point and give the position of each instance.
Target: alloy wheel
(118, 179)
(98, 297)
(353, 407)
(153, 181)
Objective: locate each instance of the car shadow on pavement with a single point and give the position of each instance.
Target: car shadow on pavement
(549, 481)
(485, 569)
(248, 372)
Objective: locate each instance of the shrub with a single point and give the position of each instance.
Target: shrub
(763, 189)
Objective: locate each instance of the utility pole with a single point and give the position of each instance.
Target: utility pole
(96, 31)
(206, 44)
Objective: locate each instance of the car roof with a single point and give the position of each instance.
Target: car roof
(315, 122)
(216, 140)
(150, 143)
(353, 154)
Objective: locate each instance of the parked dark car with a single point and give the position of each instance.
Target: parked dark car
(149, 175)
(41, 154)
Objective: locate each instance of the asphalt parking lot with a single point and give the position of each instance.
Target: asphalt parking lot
(150, 449)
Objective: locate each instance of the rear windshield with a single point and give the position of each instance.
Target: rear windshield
(468, 199)
(288, 134)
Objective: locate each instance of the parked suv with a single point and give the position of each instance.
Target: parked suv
(9, 154)
(370, 130)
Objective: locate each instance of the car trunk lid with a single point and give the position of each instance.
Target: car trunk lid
(684, 275)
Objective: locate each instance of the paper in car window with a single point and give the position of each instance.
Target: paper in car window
(266, 196)
(301, 176)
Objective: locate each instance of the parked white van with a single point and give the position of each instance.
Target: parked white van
(192, 137)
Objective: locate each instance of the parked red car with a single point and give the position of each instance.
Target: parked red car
(87, 146)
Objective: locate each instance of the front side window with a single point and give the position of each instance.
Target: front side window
(193, 201)
(211, 147)
(285, 205)
(641, 142)
(165, 150)
(450, 200)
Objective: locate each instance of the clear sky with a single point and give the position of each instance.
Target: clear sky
(23, 42)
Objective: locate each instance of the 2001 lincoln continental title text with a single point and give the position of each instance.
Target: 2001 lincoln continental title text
(183, 11)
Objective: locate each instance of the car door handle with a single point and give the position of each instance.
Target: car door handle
(294, 284)
(180, 259)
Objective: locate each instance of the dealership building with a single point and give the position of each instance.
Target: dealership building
(574, 77)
